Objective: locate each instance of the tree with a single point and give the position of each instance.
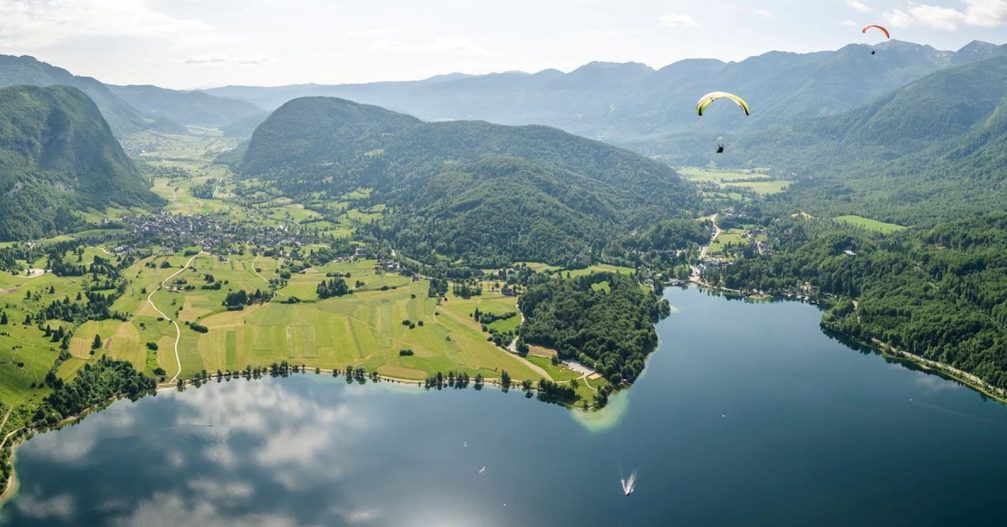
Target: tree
(97, 342)
(3, 319)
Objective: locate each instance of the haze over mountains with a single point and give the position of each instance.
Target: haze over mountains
(650, 110)
(131, 109)
(857, 133)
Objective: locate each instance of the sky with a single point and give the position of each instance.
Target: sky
(204, 43)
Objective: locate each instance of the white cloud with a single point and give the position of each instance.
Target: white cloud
(765, 13)
(977, 13)
(898, 18)
(454, 44)
(172, 509)
(224, 58)
(375, 32)
(859, 7)
(678, 20)
(355, 516)
(59, 507)
(28, 23)
(849, 23)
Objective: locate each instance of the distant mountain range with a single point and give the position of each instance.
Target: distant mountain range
(191, 108)
(483, 193)
(58, 156)
(131, 109)
(652, 111)
(930, 151)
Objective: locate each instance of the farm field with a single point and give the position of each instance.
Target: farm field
(869, 224)
(754, 180)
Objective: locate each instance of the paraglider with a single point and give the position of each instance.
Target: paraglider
(709, 98)
(883, 31)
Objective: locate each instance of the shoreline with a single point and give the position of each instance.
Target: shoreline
(19, 436)
(886, 350)
(946, 370)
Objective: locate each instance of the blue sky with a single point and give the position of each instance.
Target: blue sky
(199, 43)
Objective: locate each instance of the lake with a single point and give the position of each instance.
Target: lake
(746, 415)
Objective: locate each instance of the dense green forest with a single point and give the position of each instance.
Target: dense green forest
(96, 383)
(482, 192)
(58, 156)
(932, 151)
(605, 320)
(940, 293)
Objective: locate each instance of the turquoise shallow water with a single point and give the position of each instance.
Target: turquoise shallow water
(747, 415)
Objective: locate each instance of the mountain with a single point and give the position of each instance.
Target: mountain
(652, 111)
(191, 108)
(932, 150)
(57, 156)
(481, 192)
(123, 118)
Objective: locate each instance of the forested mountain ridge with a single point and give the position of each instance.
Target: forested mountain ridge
(652, 110)
(121, 117)
(58, 155)
(466, 188)
(931, 151)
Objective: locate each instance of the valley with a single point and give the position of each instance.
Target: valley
(585, 238)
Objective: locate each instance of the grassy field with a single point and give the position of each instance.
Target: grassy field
(754, 180)
(369, 328)
(727, 238)
(869, 224)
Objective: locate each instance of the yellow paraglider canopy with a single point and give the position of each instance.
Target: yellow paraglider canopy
(708, 99)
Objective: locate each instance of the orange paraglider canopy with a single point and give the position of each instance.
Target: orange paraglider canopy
(879, 28)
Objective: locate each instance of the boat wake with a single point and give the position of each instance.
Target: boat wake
(629, 484)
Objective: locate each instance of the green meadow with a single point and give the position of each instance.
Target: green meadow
(869, 224)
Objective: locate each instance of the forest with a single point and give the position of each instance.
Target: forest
(604, 320)
(939, 293)
(486, 194)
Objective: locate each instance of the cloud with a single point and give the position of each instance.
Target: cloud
(355, 516)
(28, 23)
(375, 32)
(224, 58)
(898, 18)
(977, 13)
(765, 13)
(678, 20)
(453, 44)
(59, 507)
(859, 7)
(172, 509)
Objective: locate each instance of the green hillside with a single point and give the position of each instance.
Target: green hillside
(484, 192)
(57, 156)
(123, 118)
(931, 151)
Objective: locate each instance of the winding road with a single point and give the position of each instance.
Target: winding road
(716, 234)
(178, 331)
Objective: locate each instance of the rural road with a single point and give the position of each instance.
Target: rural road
(178, 331)
(3, 424)
(716, 233)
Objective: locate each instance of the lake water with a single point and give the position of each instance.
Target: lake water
(747, 415)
